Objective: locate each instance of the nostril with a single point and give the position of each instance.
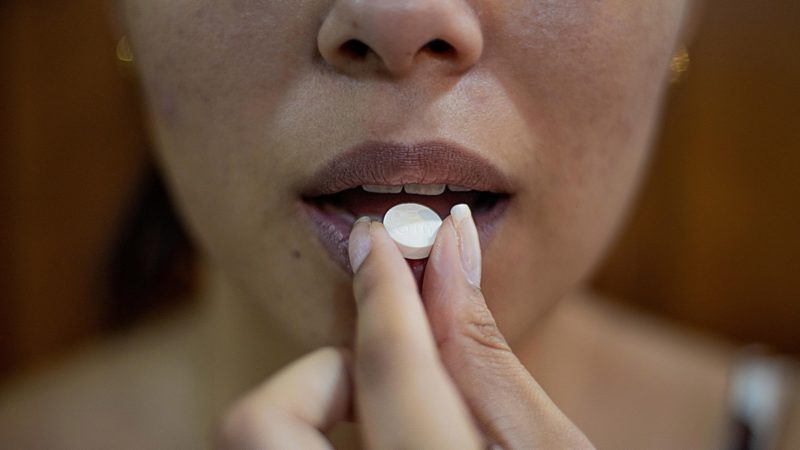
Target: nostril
(355, 48)
(439, 47)
(384, 38)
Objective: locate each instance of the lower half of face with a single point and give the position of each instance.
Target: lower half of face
(562, 100)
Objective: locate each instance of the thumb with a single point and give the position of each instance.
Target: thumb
(510, 406)
(451, 291)
(463, 326)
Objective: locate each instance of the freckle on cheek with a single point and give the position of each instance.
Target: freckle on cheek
(296, 254)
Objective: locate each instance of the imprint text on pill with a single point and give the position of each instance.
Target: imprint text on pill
(413, 227)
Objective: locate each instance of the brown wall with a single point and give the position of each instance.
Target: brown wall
(714, 242)
(72, 144)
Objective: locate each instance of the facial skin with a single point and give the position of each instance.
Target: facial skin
(563, 96)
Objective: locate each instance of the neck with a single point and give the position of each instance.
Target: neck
(560, 347)
(239, 347)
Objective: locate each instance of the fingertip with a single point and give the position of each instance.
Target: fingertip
(379, 233)
(360, 242)
(388, 255)
(443, 262)
(382, 267)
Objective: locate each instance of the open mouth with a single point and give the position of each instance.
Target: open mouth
(374, 201)
(370, 182)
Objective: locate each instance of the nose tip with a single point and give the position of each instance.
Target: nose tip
(393, 37)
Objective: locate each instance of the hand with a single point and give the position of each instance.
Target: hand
(432, 374)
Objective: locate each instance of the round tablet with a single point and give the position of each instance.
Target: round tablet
(413, 227)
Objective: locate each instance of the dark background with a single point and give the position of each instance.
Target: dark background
(712, 245)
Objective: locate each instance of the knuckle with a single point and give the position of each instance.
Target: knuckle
(478, 326)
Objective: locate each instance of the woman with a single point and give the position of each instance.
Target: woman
(279, 123)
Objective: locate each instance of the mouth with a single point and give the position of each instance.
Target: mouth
(370, 179)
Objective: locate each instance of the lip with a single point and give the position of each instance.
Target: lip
(388, 163)
(392, 163)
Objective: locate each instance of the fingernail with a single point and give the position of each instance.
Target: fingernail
(360, 242)
(468, 244)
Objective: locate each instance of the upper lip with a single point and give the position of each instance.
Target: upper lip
(392, 163)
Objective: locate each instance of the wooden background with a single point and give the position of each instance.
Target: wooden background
(713, 243)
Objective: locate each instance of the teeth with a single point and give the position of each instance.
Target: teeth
(414, 188)
(457, 188)
(378, 189)
(424, 189)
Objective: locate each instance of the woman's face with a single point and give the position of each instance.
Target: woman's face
(251, 100)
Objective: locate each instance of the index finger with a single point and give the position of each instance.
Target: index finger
(404, 396)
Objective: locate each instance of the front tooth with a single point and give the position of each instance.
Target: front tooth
(379, 189)
(457, 188)
(424, 189)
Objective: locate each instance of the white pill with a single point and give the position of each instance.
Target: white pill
(413, 227)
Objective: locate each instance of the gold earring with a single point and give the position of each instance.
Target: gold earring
(124, 51)
(125, 58)
(679, 65)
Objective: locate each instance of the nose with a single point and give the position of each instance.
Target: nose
(392, 37)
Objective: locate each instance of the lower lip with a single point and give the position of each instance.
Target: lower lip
(333, 231)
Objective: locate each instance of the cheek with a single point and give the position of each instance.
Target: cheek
(211, 117)
(210, 65)
(590, 90)
(209, 112)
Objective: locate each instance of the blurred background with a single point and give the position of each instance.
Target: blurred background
(88, 245)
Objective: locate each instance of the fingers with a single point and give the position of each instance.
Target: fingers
(404, 396)
(509, 405)
(294, 408)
